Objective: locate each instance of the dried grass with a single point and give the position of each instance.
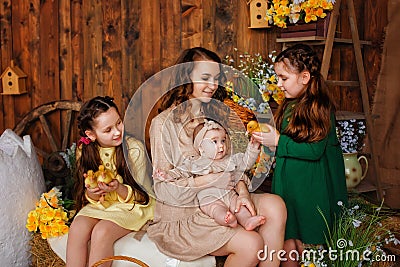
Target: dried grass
(42, 254)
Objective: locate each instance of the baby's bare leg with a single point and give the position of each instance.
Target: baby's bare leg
(245, 218)
(220, 213)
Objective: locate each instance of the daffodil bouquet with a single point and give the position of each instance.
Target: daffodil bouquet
(281, 12)
(49, 218)
(258, 70)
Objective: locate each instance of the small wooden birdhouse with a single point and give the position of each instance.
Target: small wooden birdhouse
(13, 80)
(258, 13)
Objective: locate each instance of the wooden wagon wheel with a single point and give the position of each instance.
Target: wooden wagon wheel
(40, 115)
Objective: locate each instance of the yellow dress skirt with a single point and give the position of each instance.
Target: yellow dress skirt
(127, 214)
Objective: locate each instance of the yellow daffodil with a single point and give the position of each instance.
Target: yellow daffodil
(49, 217)
(281, 12)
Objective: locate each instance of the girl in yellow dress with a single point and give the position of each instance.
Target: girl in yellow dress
(106, 212)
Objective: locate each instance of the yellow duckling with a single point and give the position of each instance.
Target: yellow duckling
(90, 179)
(255, 126)
(104, 175)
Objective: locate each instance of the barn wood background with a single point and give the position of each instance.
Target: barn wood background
(75, 49)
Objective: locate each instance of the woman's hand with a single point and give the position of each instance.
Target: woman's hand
(269, 139)
(244, 199)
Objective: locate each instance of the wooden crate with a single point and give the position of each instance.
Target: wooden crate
(302, 29)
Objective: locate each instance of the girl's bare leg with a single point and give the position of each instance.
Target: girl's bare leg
(104, 235)
(78, 238)
(241, 249)
(290, 247)
(272, 231)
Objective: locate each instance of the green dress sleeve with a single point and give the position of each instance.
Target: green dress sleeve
(287, 147)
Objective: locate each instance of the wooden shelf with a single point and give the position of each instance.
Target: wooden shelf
(342, 115)
(366, 186)
(318, 40)
(343, 83)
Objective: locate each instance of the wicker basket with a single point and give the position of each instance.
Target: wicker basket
(239, 115)
(124, 258)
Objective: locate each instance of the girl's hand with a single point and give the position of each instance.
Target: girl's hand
(269, 139)
(94, 191)
(111, 186)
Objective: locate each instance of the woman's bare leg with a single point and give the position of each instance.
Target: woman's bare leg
(104, 235)
(272, 231)
(78, 238)
(241, 249)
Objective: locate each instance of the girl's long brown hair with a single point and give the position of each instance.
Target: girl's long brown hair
(182, 86)
(90, 157)
(310, 120)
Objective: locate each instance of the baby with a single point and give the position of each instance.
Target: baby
(210, 140)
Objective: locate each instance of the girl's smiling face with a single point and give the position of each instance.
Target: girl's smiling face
(289, 81)
(107, 129)
(205, 77)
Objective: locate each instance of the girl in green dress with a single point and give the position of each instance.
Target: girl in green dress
(309, 173)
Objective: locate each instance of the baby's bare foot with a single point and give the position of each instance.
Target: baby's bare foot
(230, 219)
(254, 222)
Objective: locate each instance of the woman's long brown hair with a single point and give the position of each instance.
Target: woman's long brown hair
(310, 120)
(90, 157)
(182, 86)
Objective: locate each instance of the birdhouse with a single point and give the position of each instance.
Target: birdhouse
(13, 80)
(258, 13)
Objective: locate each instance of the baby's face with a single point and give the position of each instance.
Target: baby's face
(213, 145)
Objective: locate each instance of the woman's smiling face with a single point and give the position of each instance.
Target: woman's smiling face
(205, 77)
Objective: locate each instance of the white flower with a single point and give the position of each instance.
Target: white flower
(356, 223)
(340, 203)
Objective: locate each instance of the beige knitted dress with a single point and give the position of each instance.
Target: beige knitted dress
(180, 229)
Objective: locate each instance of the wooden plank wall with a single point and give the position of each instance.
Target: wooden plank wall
(79, 49)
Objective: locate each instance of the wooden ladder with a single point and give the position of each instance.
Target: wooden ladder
(361, 77)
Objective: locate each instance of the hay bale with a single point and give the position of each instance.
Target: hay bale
(42, 254)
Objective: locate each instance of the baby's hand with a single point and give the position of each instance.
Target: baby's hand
(162, 176)
(254, 143)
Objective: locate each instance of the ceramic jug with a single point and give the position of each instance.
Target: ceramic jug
(353, 169)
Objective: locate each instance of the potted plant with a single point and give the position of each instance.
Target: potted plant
(351, 134)
(299, 18)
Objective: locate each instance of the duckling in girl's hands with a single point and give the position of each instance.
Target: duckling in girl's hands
(104, 175)
(90, 180)
(255, 126)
